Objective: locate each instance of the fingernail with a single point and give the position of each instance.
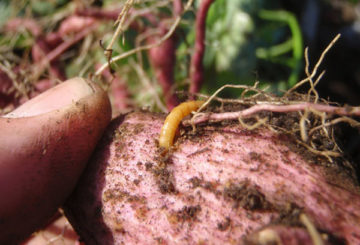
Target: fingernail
(63, 95)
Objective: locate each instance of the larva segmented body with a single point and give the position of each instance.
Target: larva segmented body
(173, 120)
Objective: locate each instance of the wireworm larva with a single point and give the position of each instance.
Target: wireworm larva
(173, 120)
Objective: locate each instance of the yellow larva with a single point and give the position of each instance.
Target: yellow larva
(173, 120)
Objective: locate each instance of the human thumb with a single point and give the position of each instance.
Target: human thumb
(44, 147)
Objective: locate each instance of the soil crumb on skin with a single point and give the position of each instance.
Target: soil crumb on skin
(164, 180)
(246, 196)
(224, 225)
(188, 213)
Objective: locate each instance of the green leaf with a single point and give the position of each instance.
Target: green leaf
(5, 12)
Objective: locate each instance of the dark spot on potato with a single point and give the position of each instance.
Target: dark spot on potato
(210, 186)
(159, 240)
(120, 230)
(148, 166)
(166, 186)
(207, 185)
(167, 159)
(138, 128)
(135, 198)
(188, 213)
(246, 196)
(140, 165)
(164, 180)
(289, 215)
(136, 181)
(116, 196)
(199, 152)
(141, 212)
(254, 156)
(223, 226)
(195, 182)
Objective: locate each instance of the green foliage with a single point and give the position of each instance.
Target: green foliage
(44, 7)
(294, 44)
(245, 42)
(5, 12)
(22, 40)
(228, 30)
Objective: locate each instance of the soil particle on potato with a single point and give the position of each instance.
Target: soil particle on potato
(137, 181)
(210, 186)
(160, 241)
(207, 185)
(116, 195)
(289, 215)
(148, 166)
(186, 214)
(224, 225)
(164, 180)
(139, 165)
(246, 196)
(195, 182)
(141, 212)
(203, 150)
(254, 156)
(288, 121)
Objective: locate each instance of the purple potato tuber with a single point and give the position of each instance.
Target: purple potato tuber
(222, 184)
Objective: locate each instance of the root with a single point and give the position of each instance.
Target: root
(316, 117)
(313, 73)
(315, 235)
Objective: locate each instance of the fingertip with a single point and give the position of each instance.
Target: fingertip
(62, 95)
(44, 147)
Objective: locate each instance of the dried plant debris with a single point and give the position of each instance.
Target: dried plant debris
(308, 118)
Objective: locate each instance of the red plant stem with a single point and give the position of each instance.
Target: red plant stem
(343, 111)
(177, 7)
(55, 53)
(30, 24)
(39, 51)
(163, 61)
(99, 13)
(196, 66)
(102, 14)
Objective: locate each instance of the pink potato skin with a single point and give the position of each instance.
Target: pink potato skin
(218, 186)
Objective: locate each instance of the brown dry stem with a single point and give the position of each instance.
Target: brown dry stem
(121, 19)
(149, 46)
(148, 85)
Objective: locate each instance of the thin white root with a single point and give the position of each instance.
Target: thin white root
(315, 235)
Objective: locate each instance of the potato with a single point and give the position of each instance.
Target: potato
(220, 185)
